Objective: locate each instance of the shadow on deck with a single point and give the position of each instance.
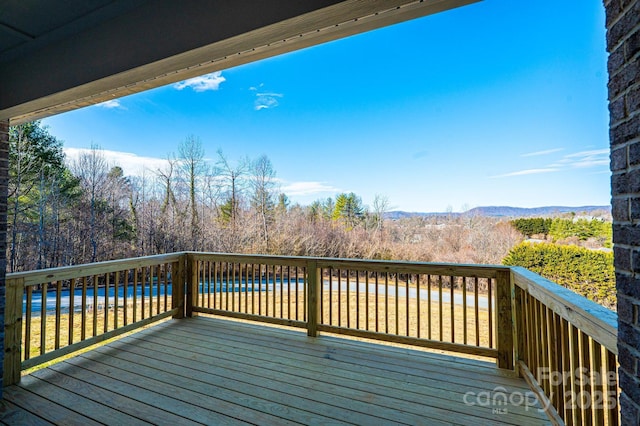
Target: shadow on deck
(215, 371)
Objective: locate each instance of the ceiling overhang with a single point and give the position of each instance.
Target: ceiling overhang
(130, 46)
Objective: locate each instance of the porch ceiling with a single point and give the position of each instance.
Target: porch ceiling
(58, 56)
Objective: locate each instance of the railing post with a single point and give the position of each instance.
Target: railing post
(191, 284)
(13, 331)
(178, 287)
(314, 293)
(504, 294)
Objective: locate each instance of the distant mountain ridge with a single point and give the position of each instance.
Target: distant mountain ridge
(505, 211)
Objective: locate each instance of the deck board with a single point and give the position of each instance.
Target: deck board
(215, 371)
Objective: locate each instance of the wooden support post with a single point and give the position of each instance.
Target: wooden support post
(13, 331)
(191, 284)
(314, 296)
(178, 287)
(505, 325)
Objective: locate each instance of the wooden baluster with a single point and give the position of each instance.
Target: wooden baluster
(273, 296)
(135, 294)
(266, 289)
(94, 325)
(358, 300)
(71, 309)
(166, 287)
(476, 312)
(386, 302)
(246, 288)
(348, 309)
(58, 315)
(233, 286)
(152, 273)
(397, 304)
(464, 310)
(558, 366)
(298, 298)
(125, 294)
(27, 331)
(440, 307)
(289, 292)
(339, 298)
(83, 328)
(253, 289)
(43, 319)
(612, 395)
(586, 393)
(366, 299)
(575, 365)
(331, 292)
(115, 300)
(277, 288)
(142, 297)
(215, 285)
(106, 302)
(158, 284)
(429, 307)
(418, 316)
(597, 382)
(453, 308)
(490, 282)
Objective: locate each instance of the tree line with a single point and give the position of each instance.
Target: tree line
(64, 212)
(570, 230)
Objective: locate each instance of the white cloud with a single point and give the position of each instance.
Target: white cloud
(308, 188)
(528, 172)
(203, 83)
(132, 164)
(111, 104)
(578, 160)
(598, 157)
(267, 100)
(545, 152)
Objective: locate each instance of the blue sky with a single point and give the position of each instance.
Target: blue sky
(501, 102)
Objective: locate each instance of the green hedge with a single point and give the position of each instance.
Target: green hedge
(587, 272)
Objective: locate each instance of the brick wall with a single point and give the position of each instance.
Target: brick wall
(623, 45)
(4, 177)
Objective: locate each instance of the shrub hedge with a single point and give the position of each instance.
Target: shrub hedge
(587, 272)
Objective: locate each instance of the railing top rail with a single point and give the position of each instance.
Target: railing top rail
(67, 272)
(593, 319)
(481, 271)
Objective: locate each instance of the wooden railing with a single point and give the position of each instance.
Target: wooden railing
(402, 302)
(561, 343)
(54, 312)
(566, 348)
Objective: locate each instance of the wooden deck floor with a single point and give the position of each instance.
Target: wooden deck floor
(213, 371)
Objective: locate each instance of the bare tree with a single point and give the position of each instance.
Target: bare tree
(380, 207)
(263, 186)
(232, 179)
(92, 170)
(192, 164)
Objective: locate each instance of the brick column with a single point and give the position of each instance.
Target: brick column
(4, 178)
(623, 45)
